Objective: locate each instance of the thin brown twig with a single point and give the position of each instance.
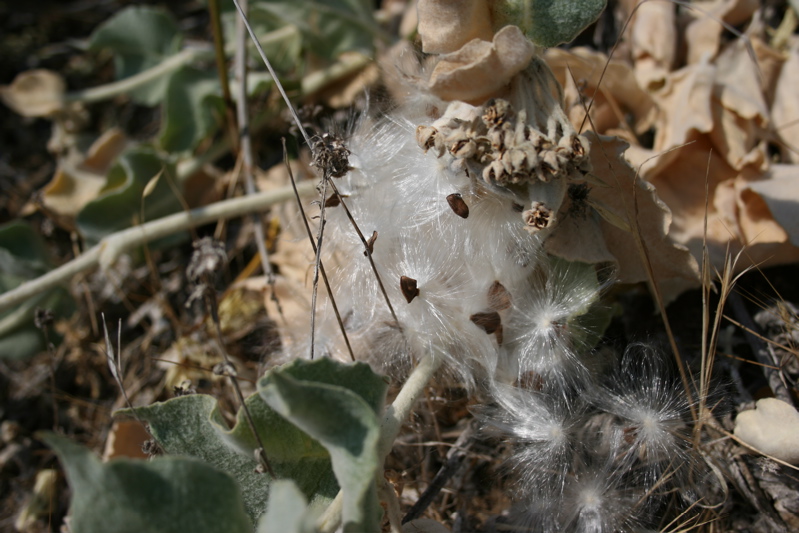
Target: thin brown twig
(313, 245)
(368, 252)
(210, 301)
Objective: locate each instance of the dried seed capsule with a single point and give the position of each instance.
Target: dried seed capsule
(426, 137)
(455, 201)
(497, 112)
(538, 217)
(463, 148)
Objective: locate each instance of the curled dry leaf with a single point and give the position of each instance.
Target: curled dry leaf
(622, 205)
(653, 35)
(703, 33)
(447, 25)
(35, 93)
(79, 178)
(481, 69)
(772, 427)
(721, 111)
(579, 71)
(780, 192)
(785, 109)
(125, 439)
(711, 123)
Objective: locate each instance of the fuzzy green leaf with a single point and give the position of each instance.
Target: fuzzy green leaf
(23, 256)
(165, 495)
(122, 201)
(346, 423)
(287, 511)
(139, 37)
(192, 425)
(192, 109)
(328, 27)
(551, 22)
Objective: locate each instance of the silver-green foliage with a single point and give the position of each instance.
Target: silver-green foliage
(165, 495)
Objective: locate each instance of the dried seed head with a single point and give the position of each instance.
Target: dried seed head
(456, 203)
(331, 155)
(463, 148)
(208, 258)
(42, 318)
(409, 288)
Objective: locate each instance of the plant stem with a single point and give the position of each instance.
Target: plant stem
(393, 418)
(105, 92)
(106, 252)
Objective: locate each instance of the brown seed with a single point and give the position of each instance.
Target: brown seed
(455, 201)
(498, 297)
(333, 201)
(488, 321)
(370, 244)
(408, 287)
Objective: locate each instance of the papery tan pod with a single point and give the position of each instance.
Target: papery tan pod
(481, 69)
(447, 25)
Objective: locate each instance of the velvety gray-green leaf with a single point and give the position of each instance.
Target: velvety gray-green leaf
(282, 42)
(192, 425)
(328, 27)
(165, 495)
(122, 201)
(24, 256)
(551, 22)
(192, 109)
(287, 510)
(140, 37)
(342, 420)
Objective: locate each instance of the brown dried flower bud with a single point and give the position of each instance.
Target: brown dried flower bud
(538, 217)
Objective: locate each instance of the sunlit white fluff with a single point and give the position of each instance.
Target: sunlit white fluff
(652, 411)
(543, 334)
(597, 500)
(541, 429)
